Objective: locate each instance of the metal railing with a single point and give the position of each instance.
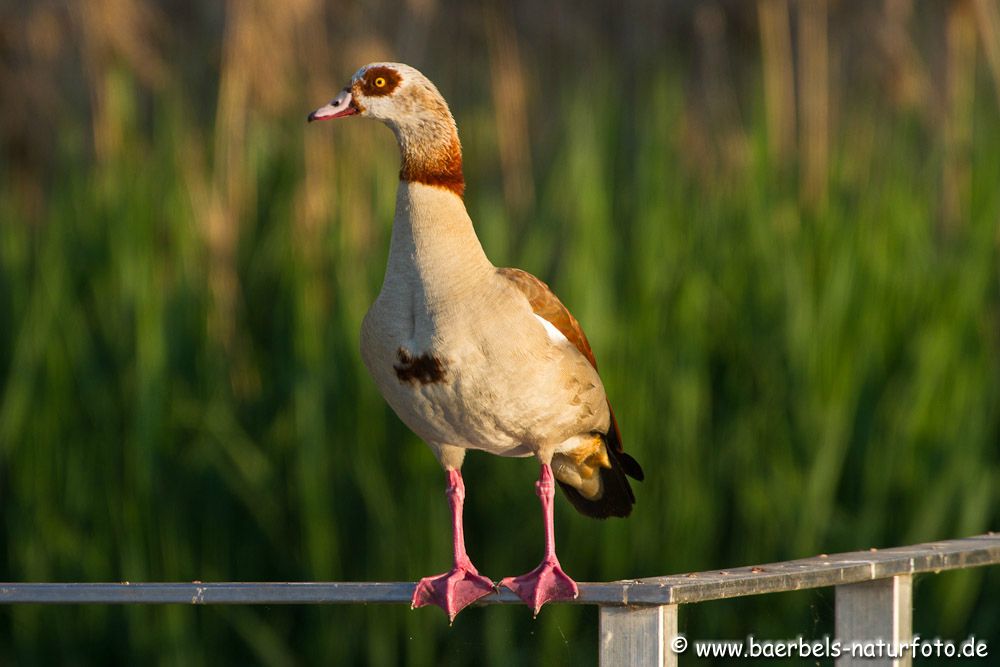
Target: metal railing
(638, 618)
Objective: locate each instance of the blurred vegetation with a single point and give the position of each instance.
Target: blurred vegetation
(777, 221)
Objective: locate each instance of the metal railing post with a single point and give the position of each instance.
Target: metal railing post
(872, 610)
(637, 636)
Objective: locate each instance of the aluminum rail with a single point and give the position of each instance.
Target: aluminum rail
(817, 572)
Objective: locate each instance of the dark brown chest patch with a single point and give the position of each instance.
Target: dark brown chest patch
(425, 369)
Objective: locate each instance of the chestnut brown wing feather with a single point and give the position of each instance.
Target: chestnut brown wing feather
(617, 498)
(547, 305)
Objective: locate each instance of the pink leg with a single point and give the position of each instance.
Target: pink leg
(454, 591)
(547, 581)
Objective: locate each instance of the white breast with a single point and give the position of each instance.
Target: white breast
(508, 385)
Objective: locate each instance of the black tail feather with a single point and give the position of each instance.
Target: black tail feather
(630, 466)
(617, 498)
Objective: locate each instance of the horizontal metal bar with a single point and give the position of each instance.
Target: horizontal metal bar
(818, 572)
(400, 592)
(815, 572)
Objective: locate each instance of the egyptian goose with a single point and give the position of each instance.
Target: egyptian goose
(471, 356)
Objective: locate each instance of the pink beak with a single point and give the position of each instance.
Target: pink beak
(340, 106)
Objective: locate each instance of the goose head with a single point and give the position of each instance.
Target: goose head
(410, 105)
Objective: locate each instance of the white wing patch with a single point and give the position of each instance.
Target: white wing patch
(555, 335)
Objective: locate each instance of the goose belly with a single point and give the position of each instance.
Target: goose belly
(478, 390)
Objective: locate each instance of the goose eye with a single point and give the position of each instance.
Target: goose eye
(380, 82)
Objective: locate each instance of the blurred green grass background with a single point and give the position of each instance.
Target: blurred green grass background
(778, 223)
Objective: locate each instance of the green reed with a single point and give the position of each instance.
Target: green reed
(794, 380)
